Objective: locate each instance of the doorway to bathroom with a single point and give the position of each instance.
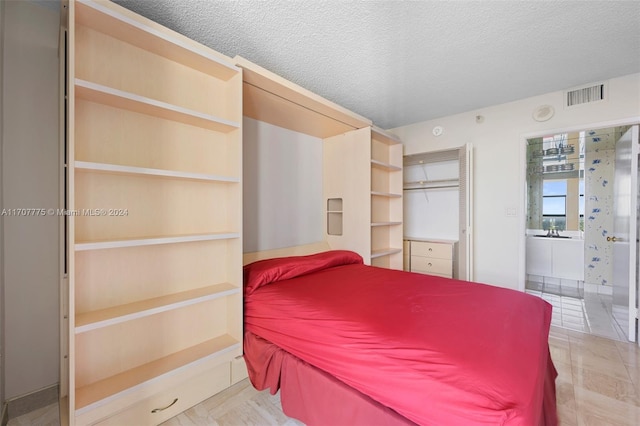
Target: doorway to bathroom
(581, 243)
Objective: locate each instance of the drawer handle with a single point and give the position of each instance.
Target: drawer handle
(430, 264)
(430, 249)
(157, 410)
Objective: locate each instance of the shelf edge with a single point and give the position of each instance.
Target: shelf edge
(154, 241)
(151, 311)
(136, 100)
(116, 168)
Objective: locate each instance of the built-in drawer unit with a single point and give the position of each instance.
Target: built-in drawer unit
(172, 401)
(432, 257)
(432, 266)
(238, 370)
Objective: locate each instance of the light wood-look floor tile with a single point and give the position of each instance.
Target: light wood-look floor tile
(241, 404)
(598, 384)
(595, 384)
(45, 416)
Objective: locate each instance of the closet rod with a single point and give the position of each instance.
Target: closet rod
(431, 187)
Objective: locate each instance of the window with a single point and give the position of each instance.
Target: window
(554, 204)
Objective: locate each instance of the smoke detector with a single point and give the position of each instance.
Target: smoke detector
(543, 113)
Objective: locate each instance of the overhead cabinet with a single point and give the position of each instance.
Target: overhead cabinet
(362, 164)
(152, 297)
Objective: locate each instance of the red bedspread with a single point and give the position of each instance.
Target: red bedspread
(437, 351)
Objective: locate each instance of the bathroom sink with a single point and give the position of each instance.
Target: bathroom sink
(551, 236)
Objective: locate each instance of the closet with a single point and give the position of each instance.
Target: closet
(152, 296)
(438, 213)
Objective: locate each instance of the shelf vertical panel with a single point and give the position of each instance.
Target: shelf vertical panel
(233, 160)
(69, 352)
(347, 175)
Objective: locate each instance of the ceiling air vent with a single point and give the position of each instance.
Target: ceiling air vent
(585, 95)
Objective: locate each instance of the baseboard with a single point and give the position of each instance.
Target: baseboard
(5, 415)
(32, 401)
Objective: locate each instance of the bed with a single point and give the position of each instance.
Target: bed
(346, 343)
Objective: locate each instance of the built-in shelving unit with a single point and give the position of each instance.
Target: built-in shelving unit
(364, 169)
(270, 98)
(154, 253)
(334, 216)
(386, 200)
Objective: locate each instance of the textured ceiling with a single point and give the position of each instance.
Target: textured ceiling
(401, 62)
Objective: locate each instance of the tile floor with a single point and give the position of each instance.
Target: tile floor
(598, 384)
(583, 311)
(46, 416)
(598, 379)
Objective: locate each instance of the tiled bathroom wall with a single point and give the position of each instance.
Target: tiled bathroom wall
(598, 221)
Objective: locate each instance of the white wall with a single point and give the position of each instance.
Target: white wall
(282, 187)
(498, 145)
(30, 180)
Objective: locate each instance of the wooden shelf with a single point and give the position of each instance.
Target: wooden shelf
(385, 223)
(386, 194)
(95, 394)
(384, 252)
(131, 170)
(385, 166)
(383, 136)
(430, 157)
(124, 100)
(133, 242)
(145, 34)
(117, 314)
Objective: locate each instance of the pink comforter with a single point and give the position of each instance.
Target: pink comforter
(435, 350)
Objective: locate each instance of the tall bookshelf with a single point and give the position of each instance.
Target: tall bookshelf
(386, 200)
(154, 205)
